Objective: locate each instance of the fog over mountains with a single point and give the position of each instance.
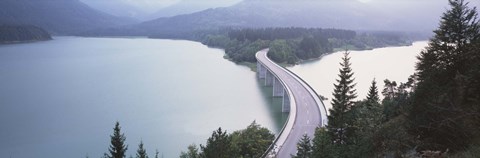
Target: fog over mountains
(110, 17)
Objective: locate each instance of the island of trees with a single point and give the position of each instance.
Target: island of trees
(22, 33)
(291, 45)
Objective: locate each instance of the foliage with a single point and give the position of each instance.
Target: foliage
(117, 147)
(141, 152)
(304, 148)
(322, 144)
(218, 145)
(280, 51)
(191, 153)
(445, 112)
(290, 45)
(251, 142)
(22, 33)
(339, 124)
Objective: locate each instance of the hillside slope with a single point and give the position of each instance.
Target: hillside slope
(24, 33)
(56, 16)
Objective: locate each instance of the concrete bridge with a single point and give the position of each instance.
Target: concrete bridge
(306, 109)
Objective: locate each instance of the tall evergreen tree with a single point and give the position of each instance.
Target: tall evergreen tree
(117, 147)
(343, 96)
(141, 152)
(218, 145)
(372, 96)
(374, 110)
(441, 115)
(304, 147)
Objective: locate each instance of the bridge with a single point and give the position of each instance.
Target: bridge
(306, 109)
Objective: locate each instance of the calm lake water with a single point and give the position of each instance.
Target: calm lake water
(61, 98)
(393, 63)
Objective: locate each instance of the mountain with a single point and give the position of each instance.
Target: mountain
(417, 17)
(342, 14)
(22, 33)
(190, 6)
(63, 17)
(118, 8)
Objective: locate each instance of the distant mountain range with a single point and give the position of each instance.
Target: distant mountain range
(72, 17)
(341, 14)
(57, 16)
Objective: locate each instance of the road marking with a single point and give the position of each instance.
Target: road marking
(308, 122)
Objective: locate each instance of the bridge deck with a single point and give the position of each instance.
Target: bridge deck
(309, 110)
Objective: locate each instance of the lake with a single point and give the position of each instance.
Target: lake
(61, 98)
(393, 63)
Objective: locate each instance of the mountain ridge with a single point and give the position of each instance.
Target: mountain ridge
(63, 17)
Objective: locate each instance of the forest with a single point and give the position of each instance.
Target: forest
(291, 45)
(435, 114)
(22, 33)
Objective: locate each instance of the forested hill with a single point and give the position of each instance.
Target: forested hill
(24, 33)
(56, 16)
(291, 45)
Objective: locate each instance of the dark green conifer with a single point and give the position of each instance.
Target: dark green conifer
(440, 115)
(218, 145)
(342, 102)
(141, 152)
(117, 147)
(304, 147)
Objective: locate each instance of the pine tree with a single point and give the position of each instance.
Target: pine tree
(304, 147)
(342, 102)
(438, 115)
(117, 147)
(322, 144)
(156, 153)
(218, 145)
(372, 96)
(141, 152)
(373, 107)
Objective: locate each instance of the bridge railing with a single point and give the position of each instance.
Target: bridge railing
(321, 105)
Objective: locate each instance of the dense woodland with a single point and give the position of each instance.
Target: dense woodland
(22, 33)
(435, 114)
(290, 45)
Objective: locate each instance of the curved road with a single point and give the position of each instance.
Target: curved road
(310, 111)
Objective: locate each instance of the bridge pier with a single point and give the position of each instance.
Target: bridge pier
(269, 79)
(278, 90)
(261, 70)
(286, 102)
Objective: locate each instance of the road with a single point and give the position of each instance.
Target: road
(309, 110)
